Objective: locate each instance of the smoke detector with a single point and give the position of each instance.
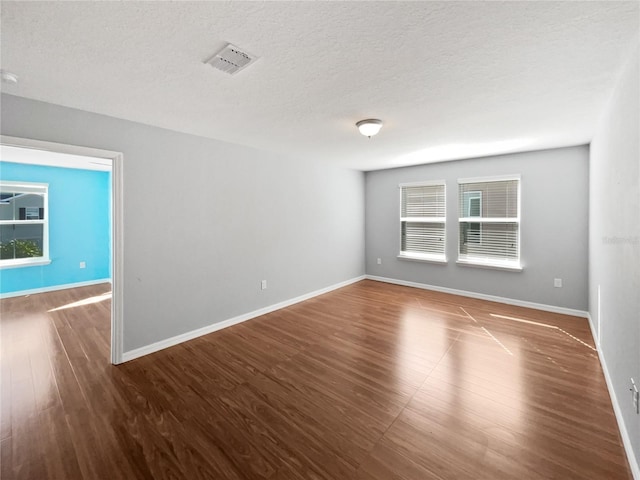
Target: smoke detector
(231, 59)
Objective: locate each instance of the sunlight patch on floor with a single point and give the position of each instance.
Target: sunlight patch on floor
(522, 320)
(86, 301)
(488, 332)
(577, 339)
(545, 325)
(497, 341)
(467, 314)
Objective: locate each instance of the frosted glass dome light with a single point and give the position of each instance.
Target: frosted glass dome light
(369, 127)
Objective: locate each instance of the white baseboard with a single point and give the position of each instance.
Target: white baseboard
(170, 342)
(54, 288)
(626, 439)
(482, 296)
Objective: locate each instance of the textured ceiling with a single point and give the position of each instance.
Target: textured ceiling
(449, 79)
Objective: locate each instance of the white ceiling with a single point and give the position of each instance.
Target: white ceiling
(449, 79)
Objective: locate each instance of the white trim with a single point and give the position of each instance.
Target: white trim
(494, 178)
(425, 257)
(30, 156)
(624, 434)
(483, 296)
(519, 216)
(23, 222)
(424, 219)
(66, 156)
(426, 183)
(117, 259)
(117, 224)
(25, 187)
(599, 318)
(24, 262)
(54, 288)
(170, 342)
(489, 220)
(478, 263)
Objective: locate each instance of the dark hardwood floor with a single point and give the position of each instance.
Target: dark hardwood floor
(370, 382)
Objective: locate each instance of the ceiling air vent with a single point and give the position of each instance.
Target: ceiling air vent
(231, 59)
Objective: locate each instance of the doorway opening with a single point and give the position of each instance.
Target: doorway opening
(79, 249)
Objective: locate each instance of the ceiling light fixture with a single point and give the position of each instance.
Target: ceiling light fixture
(369, 127)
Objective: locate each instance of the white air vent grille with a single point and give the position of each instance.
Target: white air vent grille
(231, 59)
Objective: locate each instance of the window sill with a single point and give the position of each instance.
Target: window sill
(425, 258)
(21, 262)
(511, 267)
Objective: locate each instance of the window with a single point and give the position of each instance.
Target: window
(422, 221)
(489, 218)
(24, 233)
(472, 207)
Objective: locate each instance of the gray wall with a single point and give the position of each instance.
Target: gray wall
(205, 221)
(614, 237)
(554, 227)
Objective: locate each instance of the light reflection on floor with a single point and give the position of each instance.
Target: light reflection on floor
(484, 329)
(522, 320)
(413, 333)
(460, 378)
(545, 325)
(453, 344)
(86, 301)
(497, 341)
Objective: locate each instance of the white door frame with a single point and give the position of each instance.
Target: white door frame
(117, 243)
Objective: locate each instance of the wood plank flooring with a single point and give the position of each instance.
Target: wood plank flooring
(369, 382)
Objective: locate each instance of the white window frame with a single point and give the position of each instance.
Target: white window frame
(515, 265)
(41, 189)
(423, 257)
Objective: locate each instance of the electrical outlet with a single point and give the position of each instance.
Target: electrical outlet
(379, 261)
(635, 396)
(557, 282)
(263, 285)
(83, 265)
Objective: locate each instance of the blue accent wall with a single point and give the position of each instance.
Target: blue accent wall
(79, 227)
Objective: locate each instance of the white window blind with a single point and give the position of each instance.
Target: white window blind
(489, 218)
(422, 219)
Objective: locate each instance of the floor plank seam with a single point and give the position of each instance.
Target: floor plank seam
(412, 396)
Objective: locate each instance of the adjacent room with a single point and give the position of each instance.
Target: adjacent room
(320, 240)
(53, 200)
